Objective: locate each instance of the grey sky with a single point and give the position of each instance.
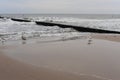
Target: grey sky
(60, 6)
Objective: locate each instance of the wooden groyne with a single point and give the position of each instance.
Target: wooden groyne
(1, 17)
(20, 20)
(78, 28)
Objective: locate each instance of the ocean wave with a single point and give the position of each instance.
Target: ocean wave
(31, 30)
(108, 24)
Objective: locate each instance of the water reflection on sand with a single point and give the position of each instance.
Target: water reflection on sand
(100, 60)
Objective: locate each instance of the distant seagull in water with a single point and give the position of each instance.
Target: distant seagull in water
(23, 37)
(2, 40)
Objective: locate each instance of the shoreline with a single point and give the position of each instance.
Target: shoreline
(108, 37)
(63, 60)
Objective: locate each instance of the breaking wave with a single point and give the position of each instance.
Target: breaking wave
(11, 30)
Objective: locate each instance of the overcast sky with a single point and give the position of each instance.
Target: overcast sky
(60, 6)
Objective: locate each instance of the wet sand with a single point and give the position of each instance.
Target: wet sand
(94, 58)
(109, 37)
(11, 69)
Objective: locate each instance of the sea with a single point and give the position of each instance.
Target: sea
(12, 30)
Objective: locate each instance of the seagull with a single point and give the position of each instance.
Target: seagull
(2, 40)
(90, 40)
(23, 37)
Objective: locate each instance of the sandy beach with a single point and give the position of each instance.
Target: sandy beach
(14, 70)
(95, 58)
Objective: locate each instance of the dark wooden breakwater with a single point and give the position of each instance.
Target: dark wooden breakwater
(1, 17)
(20, 20)
(78, 28)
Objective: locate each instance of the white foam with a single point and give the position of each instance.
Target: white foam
(108, 24)
(15, 29)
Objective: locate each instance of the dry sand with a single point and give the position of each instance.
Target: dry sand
(64, 60)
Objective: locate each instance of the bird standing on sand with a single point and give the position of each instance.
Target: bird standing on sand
(90, 40)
